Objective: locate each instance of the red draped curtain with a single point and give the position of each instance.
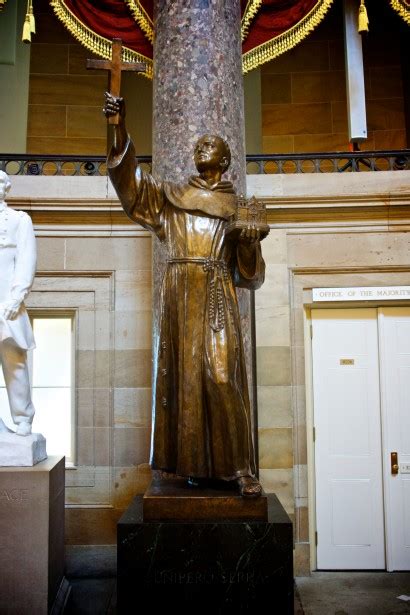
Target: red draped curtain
(110, 19)
(275, 17)
(269, 27)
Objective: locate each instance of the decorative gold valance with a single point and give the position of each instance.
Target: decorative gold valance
(402, 7)
(286, 40)
(142, 18)
(250, 11)
(269, 28)
(89, 38)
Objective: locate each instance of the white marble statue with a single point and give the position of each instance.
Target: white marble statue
(17, 270)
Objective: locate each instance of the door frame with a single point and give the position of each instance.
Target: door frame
(311, 465)
(310, 446)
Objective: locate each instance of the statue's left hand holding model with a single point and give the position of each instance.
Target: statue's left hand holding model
(17, 269)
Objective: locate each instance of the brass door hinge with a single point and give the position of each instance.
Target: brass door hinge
(314, 434)
(316, 538)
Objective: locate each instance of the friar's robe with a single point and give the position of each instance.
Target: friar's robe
(201, 410)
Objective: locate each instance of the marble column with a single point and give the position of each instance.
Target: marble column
(198, 85)
(198, 89)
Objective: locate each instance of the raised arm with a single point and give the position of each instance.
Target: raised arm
(141, 196)
(112, 106)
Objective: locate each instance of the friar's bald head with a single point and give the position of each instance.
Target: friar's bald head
(211, 151)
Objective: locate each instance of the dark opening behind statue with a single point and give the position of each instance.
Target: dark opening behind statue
(201, 410)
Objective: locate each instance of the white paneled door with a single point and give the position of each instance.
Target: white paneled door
(349, 498)
(394, 327)
(361, 384)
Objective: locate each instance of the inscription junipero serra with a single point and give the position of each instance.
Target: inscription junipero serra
(201, 409)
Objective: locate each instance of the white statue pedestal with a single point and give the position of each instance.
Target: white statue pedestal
(22, 450)
(32, 538)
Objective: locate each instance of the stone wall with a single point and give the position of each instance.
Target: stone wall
(95, 264)
(304, 92)
(65, 99)
(326, 232)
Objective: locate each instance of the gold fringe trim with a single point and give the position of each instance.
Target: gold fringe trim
(402, 8)
(99, 45)
(287, 40)
(145, 22)
(251, 9)
(142, 18)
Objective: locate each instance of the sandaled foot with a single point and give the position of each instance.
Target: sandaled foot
(249, 486)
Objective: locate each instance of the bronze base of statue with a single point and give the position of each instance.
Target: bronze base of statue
(172, 499)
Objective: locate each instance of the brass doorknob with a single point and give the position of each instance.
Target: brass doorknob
(394, 463)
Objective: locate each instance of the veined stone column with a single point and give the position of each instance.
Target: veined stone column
(198, 89)
(198, 85)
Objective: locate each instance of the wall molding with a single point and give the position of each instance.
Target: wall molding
(383, 210)
(104, 216)
(78, 217)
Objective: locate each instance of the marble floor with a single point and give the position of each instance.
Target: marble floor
(323, 593)
(92, 597)
(353, 593)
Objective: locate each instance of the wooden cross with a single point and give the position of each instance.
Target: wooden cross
(115, 67)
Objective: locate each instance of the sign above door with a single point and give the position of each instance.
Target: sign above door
(361, 293)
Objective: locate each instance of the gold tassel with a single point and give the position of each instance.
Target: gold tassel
(32, 20)
(363, 25)
(26, 38)
(2, 3)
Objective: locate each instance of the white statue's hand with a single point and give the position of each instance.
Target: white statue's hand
(11, 309)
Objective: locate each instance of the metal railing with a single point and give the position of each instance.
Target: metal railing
(259, 164)
(53, 164)
(332, 162)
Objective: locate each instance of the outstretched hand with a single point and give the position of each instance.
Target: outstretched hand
(113, 105)
(11, 309)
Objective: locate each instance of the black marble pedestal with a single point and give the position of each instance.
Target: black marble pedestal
(206, 566)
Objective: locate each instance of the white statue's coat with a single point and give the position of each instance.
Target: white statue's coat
(17, 269)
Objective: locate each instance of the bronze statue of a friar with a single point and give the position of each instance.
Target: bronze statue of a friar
(201, 409)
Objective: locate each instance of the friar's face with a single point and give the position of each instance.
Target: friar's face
(210, 154)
